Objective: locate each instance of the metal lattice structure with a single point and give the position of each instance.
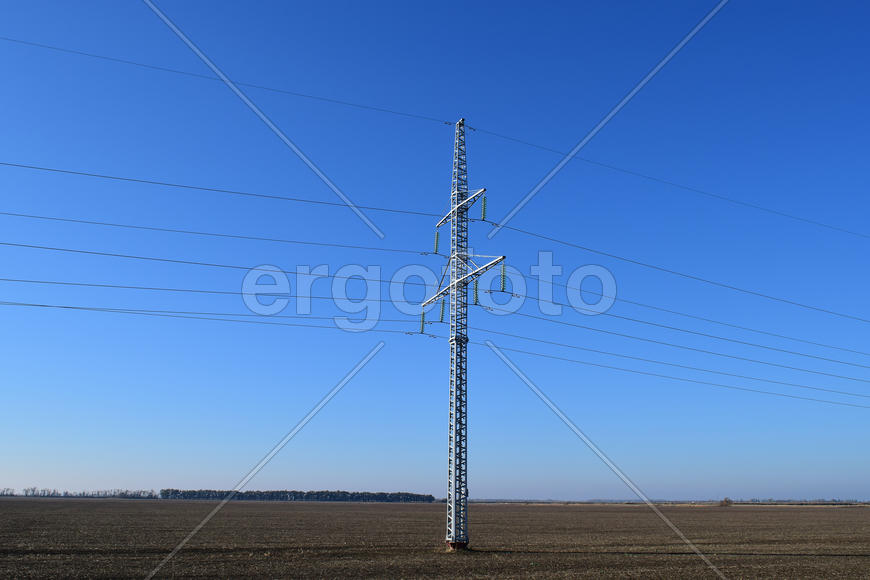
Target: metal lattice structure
(462, 270)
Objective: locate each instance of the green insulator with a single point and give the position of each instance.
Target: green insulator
(441, 318)
(437, 233)
(503, 277)
(483, 208)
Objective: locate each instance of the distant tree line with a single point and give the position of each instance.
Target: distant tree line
(104, 493)
(292, 495)
(217, 494)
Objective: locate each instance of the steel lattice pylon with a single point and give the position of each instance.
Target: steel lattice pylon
(462, 270)
(457, 457)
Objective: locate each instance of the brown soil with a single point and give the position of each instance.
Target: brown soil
(128, 538)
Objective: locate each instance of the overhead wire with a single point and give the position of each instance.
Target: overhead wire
(674, 184)
(679, 274)
(521, 351)
(176, 313)
(219, 235)
(429, 214)
(402, 250)
(690, 331)
(666, 363)
(670, 377)
(440, 121)
(398, 250)
(213, 189)
(207, 315)
(681, 346)
(423, 284)
(214, 78)
(556, 321)
(190, 316)
(702, 318)
(182, 290)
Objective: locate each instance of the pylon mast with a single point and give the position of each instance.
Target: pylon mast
(457, 454)
(462, 270)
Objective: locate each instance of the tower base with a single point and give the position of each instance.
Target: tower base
(456, 546)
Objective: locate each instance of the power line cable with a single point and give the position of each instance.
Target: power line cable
(213, 78)
(704, 319)
(264, 316)
(401, 250)
(168, 315)
(247, 268)
(671, 183)
(566, 323)
(216, 234)
(682, 346)
(611, 167)
(429, 214)
(404, 114)
(670, 377)
(214, 189)
(531, 353)
(208, 315)
(681, 274)
(234, 293)
(695, 332)
(671, 364)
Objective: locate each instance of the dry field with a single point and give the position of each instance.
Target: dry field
(127, 538)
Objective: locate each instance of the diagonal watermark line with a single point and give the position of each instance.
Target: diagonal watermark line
(601, 455)
(613, 112)
(268, 457)
(268, 122)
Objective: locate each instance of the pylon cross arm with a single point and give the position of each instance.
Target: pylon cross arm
(464, 280)
(468, 202)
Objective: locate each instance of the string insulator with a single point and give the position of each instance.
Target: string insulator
(483, 208)
(441, 317)
(422, 322)
(476, 294)
(503, 277)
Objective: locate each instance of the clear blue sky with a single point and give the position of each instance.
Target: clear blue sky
(766, 105)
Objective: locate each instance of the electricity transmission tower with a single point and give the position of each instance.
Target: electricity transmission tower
(462, 270)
